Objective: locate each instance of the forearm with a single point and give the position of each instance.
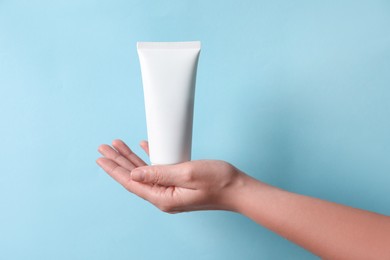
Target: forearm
(327, 229)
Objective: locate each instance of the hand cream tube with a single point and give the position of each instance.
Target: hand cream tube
(168, 76)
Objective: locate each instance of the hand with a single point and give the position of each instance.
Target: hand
(327, 229)
(189, 186)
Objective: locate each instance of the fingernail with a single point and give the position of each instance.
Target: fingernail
(137, 175)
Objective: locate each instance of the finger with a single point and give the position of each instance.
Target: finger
(178, 175)
(123, 177)
(124, 150)
(113, 169)
(145, 146)
(110, 153)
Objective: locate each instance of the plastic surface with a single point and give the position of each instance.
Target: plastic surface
(169, 77)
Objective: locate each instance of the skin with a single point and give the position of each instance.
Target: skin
(329, 230)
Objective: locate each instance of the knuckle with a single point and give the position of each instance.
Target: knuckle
(126, 153)
(156, 178)
(226, 167)
(188, 174)
(114, 169)
(117, 157)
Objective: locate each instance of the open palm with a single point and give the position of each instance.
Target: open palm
(188, 186)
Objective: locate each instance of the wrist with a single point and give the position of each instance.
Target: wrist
(248, 193)
(238, 193)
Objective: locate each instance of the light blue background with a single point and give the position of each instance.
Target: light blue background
(295, 93)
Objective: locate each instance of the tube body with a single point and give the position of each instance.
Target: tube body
(168, 76)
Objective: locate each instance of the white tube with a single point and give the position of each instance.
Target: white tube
(168, 76)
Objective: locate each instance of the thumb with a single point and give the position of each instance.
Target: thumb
(168, 175)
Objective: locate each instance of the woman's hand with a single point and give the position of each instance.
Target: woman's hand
(189, 186)
(329, 230)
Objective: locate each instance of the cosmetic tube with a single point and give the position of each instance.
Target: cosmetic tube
(168, 76)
